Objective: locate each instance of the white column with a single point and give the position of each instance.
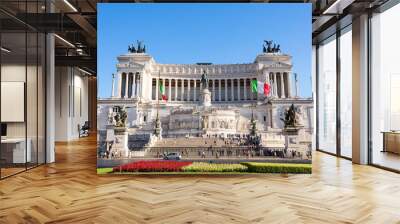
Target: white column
(119, 85)
(289, 84)
(50, 93)
(275, 86)
(130, 86)
(238, 89)
(157, 80)
(296, 85)
(169, 89)
(126, 85)
(194, 92)
(274, 115)
(282, 86)
(112, 85)
(360, 90)
(140, 85)
(163, 82)
(271, 82)
(245, 88)
(219, 89)
(213, 90)
(232, 90)
(134, 85)
(176, 90)
(226, 89)
(182, 89)
(188, 90)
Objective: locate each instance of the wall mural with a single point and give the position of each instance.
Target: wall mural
(203, 117)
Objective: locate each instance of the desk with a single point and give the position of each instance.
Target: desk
(14, 150)
(391, 141)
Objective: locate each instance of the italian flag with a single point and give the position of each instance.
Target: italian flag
(162, 91)
(260, 87)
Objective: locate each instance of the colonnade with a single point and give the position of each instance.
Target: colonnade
(225, 89)
(129, 85)
(281, 84)
(187, 89)
(190, 89)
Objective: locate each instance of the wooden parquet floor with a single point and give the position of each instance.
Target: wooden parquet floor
(70, 191)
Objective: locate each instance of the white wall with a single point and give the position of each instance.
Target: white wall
(33, 125)
(16, 73)
(71, 102)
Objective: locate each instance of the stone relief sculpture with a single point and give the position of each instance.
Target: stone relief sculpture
(205, 122)
(290, 117)
(120, 116)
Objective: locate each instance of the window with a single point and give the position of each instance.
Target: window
(22, 73)
(327, 95)
(385, 87)
(346, 92)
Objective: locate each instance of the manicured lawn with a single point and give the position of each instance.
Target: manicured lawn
(214, 167)
(254, 167)
(104, 170)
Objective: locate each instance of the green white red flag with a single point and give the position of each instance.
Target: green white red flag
(162, 91)
(260, 87)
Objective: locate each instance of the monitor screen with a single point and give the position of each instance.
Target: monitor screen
(3, 129)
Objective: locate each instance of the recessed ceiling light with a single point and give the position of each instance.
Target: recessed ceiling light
(5, 50)
(64, 40)
(70, 5)
(86, 72)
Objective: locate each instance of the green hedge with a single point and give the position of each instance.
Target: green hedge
(214, 167)
(104, 170)
(254, 167)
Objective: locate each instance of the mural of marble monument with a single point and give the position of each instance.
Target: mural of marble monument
(159, 108)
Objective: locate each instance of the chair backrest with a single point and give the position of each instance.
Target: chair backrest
(86, 125)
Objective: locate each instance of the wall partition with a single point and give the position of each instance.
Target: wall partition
(22, 87)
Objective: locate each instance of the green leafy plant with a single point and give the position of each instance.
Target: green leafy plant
(104, 170)
(257, 167)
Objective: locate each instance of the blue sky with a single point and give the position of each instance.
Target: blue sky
(216, 33)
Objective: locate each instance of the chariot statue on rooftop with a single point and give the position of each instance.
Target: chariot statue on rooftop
(140, 47)
(269, 48)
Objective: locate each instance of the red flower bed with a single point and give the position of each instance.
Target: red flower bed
(152, 166)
